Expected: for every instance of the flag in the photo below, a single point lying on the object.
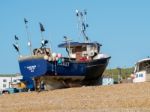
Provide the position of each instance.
(83, 27)
(77, 14)
(65, 37)
(85, 12)
(16, 47)
(44, 42)
(16, 38)
(41, 27)
(25, 21)
(87, 25)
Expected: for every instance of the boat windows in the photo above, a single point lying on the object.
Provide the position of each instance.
(4, 80)
(83, 48)
(140, 75)
(144, 66)
(4, 85)
(14, 80)
(78, 49)
(84, 51)
(73, 50)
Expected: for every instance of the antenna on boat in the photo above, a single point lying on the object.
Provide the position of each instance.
(16, 46)
(29, 39)
(50, 45)
(82, 23)
(68, 42)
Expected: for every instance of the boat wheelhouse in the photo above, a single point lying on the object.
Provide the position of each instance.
(142, 71)
(81, 51)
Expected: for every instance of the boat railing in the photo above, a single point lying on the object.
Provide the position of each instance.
(30, 57)
(42, 51)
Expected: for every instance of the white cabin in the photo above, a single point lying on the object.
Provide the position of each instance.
(79, 51)
(142, 71)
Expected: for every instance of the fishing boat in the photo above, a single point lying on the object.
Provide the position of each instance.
(83, 65)
(142, 71)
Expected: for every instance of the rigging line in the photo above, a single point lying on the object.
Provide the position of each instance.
(78, 24)
(28, 36)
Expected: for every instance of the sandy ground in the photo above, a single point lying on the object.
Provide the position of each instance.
(115, 98)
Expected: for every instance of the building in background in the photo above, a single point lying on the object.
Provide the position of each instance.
(6, 80)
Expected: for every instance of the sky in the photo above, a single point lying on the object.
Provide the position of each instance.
(121, 26)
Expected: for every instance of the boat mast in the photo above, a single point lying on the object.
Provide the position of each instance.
(43, 41)
(29, 39)
(82, 23)
(78, 23)
(50, 45)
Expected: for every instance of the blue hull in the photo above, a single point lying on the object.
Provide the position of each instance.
(33, 67)
(87, 70)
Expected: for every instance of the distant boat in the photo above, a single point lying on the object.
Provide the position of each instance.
(84, 64)
(142, 70)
